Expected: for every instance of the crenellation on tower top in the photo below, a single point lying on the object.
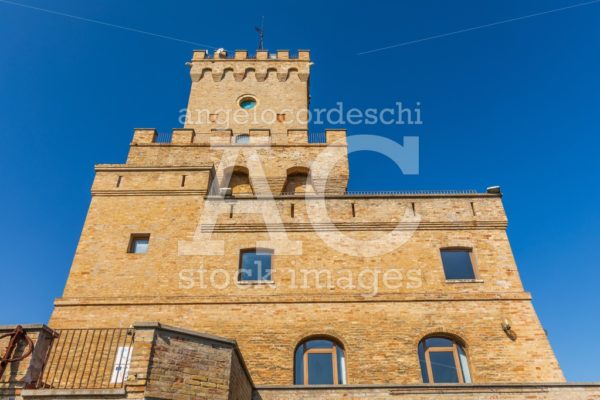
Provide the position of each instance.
(240, 54)
(245, 228)
(237, 55)
(224, 136)
(242, 65)
(271, 88)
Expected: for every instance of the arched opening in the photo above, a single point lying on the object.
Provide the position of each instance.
(298, 181)
(443, 360)
(227, 74)
(319, 361)
(239, 180)
(292, 72)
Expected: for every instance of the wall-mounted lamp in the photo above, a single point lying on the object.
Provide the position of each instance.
(507, 328)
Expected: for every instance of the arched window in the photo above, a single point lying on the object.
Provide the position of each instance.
(443, 360)
(239, 180)
(319, 361)
(298, 181)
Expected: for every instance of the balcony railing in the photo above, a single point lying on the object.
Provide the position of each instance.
(384, 193)
(407, 192)
(88, 359)
(217, 192)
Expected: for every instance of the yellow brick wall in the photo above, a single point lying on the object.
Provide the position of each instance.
(380, 329)
(380, 337)
(279, 85)
(109, 287)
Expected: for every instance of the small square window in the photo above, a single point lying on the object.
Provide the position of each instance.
(255, 265)
(457, 264)
(138, 244)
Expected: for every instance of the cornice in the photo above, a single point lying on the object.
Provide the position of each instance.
(150, 168)
(293, 298)
(357, 226)
(124, 192)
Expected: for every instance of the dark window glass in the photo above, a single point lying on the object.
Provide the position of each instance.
(255, 266)
(320, 359)
(423, 363)
(443, 360)
(320, 369)
(247, 103)
(242, 139)
(457, 264)
(138, 244)
(318, 344)
(438, 342)
(341, 366)
(443, 367)
(299, 366)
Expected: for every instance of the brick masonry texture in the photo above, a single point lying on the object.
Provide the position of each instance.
(380, 337)
(467, 392)
(181, 367)
(165, 190)
(380, 331)
(24, 374)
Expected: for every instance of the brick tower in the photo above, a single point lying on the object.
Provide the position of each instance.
(215, 264)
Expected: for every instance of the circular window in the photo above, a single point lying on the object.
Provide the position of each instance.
(247, 103)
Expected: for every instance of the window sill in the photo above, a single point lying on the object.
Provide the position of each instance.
(256, 282)
(464, 280)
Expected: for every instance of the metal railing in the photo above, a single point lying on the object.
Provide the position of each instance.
(383, 193)
(413, 192)
(88, 359)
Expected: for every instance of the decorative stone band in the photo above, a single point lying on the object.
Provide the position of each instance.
(247, 298)
(356, 226)
(252, 71)
(149, 192)
(226, 137)
(533, 391)
(516, 391)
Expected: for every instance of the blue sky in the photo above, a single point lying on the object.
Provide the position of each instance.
(514, 104)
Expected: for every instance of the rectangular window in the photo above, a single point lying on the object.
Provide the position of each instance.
(255, 265)
(443, 367)
(457, 264)
(320, 367)
(138, 244)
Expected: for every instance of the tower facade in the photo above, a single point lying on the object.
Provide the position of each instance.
(281, 283)
(223, 88)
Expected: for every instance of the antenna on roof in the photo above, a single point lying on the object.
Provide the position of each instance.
(261, 34)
